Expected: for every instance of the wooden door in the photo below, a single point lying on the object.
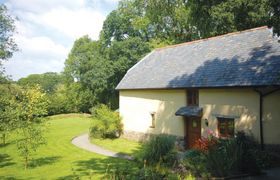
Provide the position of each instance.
(193, 130)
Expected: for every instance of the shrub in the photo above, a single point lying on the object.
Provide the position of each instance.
(204, 144)
(220, 158)
(160, 148)
(249, 163)
(195, 161)
(253, 157)
(225, 158)
(145, 173)
(118, 174)
(106, 123)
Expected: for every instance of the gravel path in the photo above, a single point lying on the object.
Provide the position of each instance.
(83, 142)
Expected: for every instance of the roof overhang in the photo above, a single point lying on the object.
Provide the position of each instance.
(189, 111)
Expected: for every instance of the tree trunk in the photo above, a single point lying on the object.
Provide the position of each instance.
(4, 138)
(26, 162)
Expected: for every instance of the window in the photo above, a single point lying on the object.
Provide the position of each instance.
(153, 125)
(226, 127)
(192, 97)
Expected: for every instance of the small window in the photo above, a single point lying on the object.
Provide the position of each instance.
(226, 127)
(153, 123)
(192, 97)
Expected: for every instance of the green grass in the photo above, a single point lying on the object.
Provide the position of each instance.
(118, 145)
(59, 159)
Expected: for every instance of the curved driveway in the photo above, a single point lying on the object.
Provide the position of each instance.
(83, 142)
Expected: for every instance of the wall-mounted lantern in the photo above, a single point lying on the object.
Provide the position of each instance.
(153, 123)
(206, 122)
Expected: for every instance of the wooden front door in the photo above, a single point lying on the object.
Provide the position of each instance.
(193, 130)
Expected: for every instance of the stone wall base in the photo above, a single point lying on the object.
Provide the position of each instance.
(140, 137)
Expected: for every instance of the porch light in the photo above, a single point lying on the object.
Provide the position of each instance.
(206, 122)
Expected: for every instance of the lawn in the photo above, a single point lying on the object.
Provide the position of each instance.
(59, 159)
(119, 145)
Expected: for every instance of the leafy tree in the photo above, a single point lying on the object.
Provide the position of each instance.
(98, 70)
(31, 139)
(32, 108)
(48, 81)
(8, 109)
(275, 15)
(58, 101)
(7, 30)
(123, 54)
(85, 58)
(214, 17)
(137, 26)
(118, 24)
(168, 20)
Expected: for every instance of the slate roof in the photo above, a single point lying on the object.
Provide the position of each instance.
(240, 59)
(190, 111)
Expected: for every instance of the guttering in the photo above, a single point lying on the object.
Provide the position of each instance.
(262, 95)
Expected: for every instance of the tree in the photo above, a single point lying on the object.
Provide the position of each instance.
(32, 108)
(7, 30)
(84, 59)
(275, 16)
(215, 17)
(137, 26)
(47, 81)
(118, 24)
(8, 109)
(31, 139)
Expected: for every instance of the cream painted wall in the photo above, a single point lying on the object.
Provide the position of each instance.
(271, 117)
(136, 106)
(243, 104)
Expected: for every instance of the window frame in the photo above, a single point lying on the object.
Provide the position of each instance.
(227, 122)
(192, 97)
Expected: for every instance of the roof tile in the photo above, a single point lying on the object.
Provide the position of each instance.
(247, 58)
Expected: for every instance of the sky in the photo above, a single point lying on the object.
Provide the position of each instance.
(47, 29)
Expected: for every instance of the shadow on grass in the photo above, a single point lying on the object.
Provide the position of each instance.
(5, 145)
(8, 178)
(43, 161)
(99, 166)
(5, 160)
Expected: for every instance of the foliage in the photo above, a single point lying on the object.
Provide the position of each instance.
(7, 30)
(47, 81)
(253, 158)
(143, 173)
(106, 123)
(219, 17)
(227, 157)
(138, 26)
(98, 70)
(224, 159)
(32, 107)
(204, 144)
(31, 137)
(275, 15)
(159, 149)
(8, 109)
(195, 161)
(59, 101)
(62, 97)
(68, 99)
